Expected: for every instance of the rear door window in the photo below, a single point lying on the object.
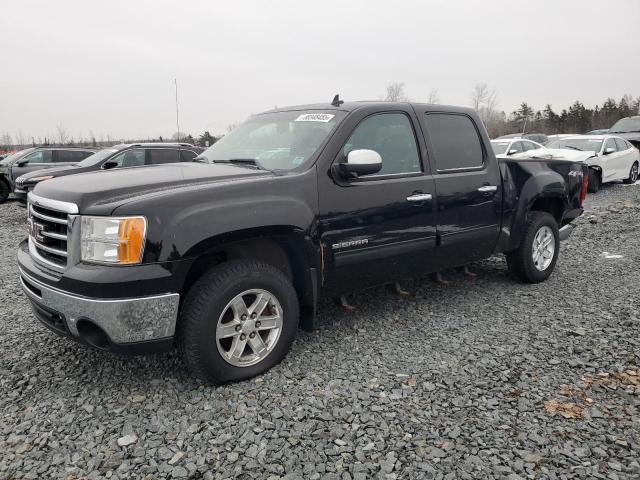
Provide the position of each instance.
(164, 155)
(621, 144)
(455, 142)
(70, 156)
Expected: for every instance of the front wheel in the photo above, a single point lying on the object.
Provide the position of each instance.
(633, 174)
(594, 181)
(535, 259)
(238, 320)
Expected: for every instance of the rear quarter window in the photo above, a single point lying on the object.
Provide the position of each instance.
(187, 155)
(454, 141)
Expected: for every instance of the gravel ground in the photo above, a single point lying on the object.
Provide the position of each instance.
(486, 378)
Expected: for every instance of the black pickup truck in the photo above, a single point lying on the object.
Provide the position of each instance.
(227, 256)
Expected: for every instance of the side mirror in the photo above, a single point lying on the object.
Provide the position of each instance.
(609, 150)
(109, 165)
(512, 151)
(361, 162)
(22, 163)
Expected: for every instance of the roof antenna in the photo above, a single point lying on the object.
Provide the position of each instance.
(336, 101)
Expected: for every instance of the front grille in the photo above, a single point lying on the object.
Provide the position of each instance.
(48, 230)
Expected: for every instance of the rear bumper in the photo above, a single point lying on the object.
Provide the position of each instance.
(132, 325)
(566, 231)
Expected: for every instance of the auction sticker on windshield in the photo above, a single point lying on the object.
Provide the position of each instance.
(315, 117)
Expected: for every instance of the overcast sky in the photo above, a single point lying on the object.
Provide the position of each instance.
(108, 67)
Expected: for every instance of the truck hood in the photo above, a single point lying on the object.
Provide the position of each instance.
(48, 171)
(120, 185)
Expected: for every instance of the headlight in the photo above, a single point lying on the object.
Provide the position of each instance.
(38, 179)
(116, 240)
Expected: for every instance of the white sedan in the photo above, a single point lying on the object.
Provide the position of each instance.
(505, 147)
(609, 157)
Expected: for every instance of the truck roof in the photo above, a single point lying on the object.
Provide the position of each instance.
(351, 106)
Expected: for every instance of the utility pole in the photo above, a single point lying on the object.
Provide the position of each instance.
(175, 81)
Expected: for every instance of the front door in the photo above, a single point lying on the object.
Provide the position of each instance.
(468, 187)
(377, 228)
(34, 161)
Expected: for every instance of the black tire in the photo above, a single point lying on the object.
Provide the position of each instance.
(5, 190)
(594, 181)
(633, 174)
(206, 301)
(520, 261)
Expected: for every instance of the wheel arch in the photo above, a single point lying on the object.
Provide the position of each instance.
(282, 246)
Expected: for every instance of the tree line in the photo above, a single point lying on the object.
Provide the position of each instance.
(577, 118)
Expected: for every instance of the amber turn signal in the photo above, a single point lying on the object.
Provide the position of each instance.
(131, 234)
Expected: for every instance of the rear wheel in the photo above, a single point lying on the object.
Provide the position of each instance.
(4, 191)
(633, 174)
(237, 321)
(536, 257)
(594, 181)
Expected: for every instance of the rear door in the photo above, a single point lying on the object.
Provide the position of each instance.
(468, 186)
(380, 227)
(627, 158)
(612, 161)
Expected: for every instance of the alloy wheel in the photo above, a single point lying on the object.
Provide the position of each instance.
(544, 246)
(249, 327)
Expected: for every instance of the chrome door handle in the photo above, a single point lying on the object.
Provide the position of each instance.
(488, 188)
(419, 197)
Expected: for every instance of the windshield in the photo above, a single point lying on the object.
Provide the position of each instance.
(582, 144)
(626, 125)
(499, 148)
(278, 140)
(9, 159)
(97, 157)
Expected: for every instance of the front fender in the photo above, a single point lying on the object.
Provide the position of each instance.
(197, 229)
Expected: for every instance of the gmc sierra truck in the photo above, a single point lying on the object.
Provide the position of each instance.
(227, 256)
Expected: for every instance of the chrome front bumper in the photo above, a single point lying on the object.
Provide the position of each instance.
(127, 320)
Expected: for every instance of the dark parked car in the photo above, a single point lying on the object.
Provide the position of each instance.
(124, 155)
(540, 138)
(227, 259)
(37, 158)
(629, 129)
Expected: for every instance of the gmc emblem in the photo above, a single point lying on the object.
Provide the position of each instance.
(35, 230)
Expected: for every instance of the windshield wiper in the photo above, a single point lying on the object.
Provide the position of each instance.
(252, 162)
(574, 148)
